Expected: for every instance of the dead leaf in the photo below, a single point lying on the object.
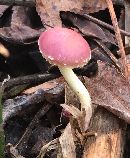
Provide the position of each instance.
(67, 143)
(19, 16)
(13, 151)
(45, 86)
(19, 34)
(72, 110)
(3, 8)
(49, 146)
(41, 135)
(95, 5)
(18, 105)
(49, 11)
(20, 29)
(110, 90)
(89, 28)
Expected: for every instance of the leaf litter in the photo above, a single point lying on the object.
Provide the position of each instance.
(108, 88)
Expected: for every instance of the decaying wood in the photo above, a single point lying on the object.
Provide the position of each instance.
(109, 142)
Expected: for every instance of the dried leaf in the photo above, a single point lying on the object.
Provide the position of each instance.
(18, 105)
(72, 110)
(127, 22)
(49, 146)
(19, 34)
(49, 10)
(96, 5)
(89, 28)
(20, 30)
(3, 8)
(67, 143)
(41, 136)
(19, 16)
(45, 86)
(13, 151)
(110, 90)
(77, 114)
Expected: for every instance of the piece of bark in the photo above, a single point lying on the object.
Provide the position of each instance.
(110, 131)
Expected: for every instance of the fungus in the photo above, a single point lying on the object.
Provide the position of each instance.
(68, 49)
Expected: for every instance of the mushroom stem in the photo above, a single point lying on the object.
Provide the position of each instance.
(81, 91)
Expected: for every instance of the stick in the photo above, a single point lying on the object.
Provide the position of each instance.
(99, 22)
(118, 35)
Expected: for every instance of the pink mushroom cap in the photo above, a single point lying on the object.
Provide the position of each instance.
(64, 47)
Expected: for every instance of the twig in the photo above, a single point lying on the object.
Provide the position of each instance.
(118, 35)
(29, 3)
(32, 79)
(97, 21)
(109, 53)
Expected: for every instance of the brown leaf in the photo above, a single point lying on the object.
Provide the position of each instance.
(110, 90)
(93, 6)
(3, 8)
(96, 5)
(89, 28)
(20, 29)
(19, 16)
(42, 135)
(72, 110)
(19, 34)
(67, 143)
(45, 86)
(18, 105)
(13, 151)
(49, 10)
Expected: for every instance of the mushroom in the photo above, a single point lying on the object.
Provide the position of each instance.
(68, 49)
